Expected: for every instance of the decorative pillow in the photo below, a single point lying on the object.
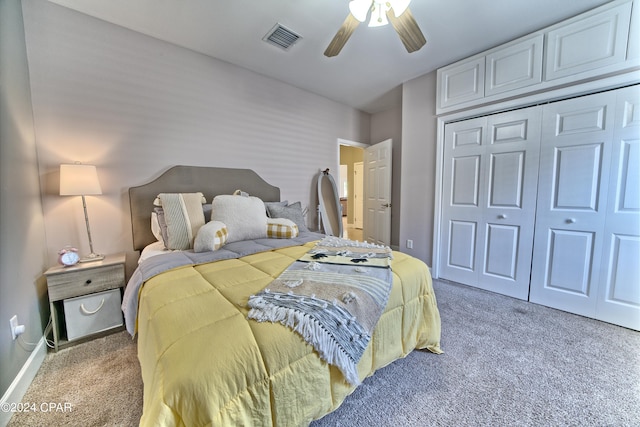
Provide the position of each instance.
(268, 204)
(244, 216)
(211, 237)
(206, 209)
(281, 228)
(155, 226)
(183, 215)
(159, 225)
(162, 224)
(292, 212)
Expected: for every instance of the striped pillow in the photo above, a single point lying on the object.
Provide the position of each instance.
(211, 237)
(281, 228)
(184, 217)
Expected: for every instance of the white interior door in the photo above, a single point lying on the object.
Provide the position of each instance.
(511, 181)
(377, 193)
(463, 189)
(619, 285)
(358, 194)
(572, 199)
(488, 210)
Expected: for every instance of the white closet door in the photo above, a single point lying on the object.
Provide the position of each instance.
(619, 287)
(463, 190)
(510, 178)
(572, 202)
(489, 182)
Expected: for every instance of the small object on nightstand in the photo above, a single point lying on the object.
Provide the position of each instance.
(68, 256)
(85, 299)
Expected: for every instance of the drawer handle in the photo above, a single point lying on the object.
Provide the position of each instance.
(85, 311)
(88, 282)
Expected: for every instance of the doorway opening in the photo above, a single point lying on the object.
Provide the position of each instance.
(351, 188)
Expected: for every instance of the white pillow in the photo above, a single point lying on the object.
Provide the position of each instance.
(211, 237)
(244, 216)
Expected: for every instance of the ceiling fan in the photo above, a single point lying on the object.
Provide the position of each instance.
(382, 12)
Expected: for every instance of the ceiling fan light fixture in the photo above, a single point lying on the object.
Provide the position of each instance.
(398, 6)
(379, 10)
(378, 15)
(360, 9)
(401, 20)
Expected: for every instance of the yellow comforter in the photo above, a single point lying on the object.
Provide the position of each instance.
(203, 363)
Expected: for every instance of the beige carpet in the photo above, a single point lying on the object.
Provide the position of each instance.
(96, 383)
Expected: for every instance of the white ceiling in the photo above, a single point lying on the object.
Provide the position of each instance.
(367, 74)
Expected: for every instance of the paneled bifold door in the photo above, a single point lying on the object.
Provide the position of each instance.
(488, 210)
(618, 299)
(587, 241)
(543, 204)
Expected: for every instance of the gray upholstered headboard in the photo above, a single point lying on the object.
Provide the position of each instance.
(211, 181)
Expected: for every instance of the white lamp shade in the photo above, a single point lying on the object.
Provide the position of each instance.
(79, 180)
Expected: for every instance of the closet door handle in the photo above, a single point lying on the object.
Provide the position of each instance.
(570, 220)
(502, 216)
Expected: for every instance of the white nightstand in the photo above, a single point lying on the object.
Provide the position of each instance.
(85, 299)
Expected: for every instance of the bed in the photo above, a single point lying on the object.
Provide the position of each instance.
(204, 362)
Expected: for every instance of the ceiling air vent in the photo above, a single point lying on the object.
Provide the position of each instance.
(281, 36)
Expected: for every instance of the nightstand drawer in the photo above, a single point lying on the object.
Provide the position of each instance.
(92, 313)
(85, 281)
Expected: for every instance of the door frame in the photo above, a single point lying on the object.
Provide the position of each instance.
(348, 143)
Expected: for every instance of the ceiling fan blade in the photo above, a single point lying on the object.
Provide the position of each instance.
(408, 30)
(348, 27)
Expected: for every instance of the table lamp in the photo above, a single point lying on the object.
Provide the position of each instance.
(81, 180)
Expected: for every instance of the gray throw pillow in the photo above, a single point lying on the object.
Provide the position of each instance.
(267, 204)
(292, 212)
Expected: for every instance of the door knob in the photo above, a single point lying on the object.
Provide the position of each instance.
(386, 205)
(570, 220)
(502, 216)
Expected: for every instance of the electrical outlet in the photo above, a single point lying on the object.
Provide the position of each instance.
(16, 329)
(409, 244)
(14, 324)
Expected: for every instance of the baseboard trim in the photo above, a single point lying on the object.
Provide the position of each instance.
(22, 381)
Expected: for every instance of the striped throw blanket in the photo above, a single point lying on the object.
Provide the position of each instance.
(333, 297)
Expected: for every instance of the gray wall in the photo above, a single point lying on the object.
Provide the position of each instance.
(419, 140)
(133, 106)
(22, 255)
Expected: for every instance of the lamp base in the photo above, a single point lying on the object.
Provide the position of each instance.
(92, 257)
